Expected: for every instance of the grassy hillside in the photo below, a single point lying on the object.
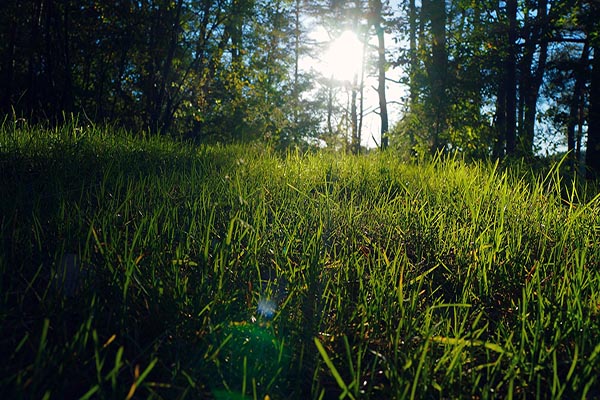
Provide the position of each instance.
(142, 267)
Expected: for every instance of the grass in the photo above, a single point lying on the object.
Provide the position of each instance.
(140, 267)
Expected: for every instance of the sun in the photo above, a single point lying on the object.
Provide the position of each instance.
(344, 57)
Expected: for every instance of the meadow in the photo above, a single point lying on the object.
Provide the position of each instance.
(135, 266)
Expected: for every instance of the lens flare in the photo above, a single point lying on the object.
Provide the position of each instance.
(267, 308)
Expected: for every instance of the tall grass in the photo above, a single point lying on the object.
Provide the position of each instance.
(144, 267)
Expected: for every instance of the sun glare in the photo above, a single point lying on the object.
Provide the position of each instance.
(343, 58)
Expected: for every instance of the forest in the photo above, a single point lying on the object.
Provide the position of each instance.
(487, 79)
(293, 199)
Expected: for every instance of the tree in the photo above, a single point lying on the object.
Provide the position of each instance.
(357, 14)
(510, 78)
(593, 142)
(223, 70)
(477, 57)
(503, 47)
(576, 105)
(592, 159)
(532, 67)
(376, 21)
(163, 43)
(428, 69)
(435, 11)
(354, 17)
(567, 84)
(36, 68)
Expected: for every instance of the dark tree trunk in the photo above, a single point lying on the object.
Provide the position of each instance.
(8, 62)
(161, 114)
(296, 83)
(576, 105)
(238, 10)
(329, 110)
(438, 70)
(530, 96)
(361, 105)
(354, 119)
(33, 62)
(414, 60)
(47, 102)
(511, 78)
(415, 30)
(67, 95)
(168, 108)
(356, 139)
(499, 145)
(532, 76)
(381, 91)
(377, 10)
(592, 158)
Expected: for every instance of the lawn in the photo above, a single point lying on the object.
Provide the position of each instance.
(134, 266)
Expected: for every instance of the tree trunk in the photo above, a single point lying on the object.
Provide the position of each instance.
(530, 99)
(414, 60)
(575, 105)
(296, 83)
(238, 10)
(355, 146)
(499, 145)
(438, 74)
(67, 96)
(592, 157)
(532, 77)
(511, 78)
(354, 118)
(329, 110)
(381, 64)
(7, 77)
(415, 30)
(161, 116)
(381, 91)
(361, 106)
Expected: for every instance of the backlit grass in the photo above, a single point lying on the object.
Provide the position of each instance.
(141, 267)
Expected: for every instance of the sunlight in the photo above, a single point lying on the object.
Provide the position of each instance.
(340, 58)
(343, 58)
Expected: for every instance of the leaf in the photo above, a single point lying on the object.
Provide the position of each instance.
(139, 379)
(333, 370)
(466, 342)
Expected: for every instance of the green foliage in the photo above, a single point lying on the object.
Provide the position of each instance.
(499, 68)
(207, 70)
(233, 272)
